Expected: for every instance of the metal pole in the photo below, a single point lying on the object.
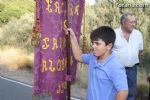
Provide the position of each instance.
(68, 50)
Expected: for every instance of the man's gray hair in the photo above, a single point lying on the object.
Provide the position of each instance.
(124, 17)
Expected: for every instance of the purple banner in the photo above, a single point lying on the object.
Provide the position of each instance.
(50, 57)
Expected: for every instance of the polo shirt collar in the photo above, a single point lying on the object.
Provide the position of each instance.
(105, 61)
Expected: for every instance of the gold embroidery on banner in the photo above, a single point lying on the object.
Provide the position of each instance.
(45, 45)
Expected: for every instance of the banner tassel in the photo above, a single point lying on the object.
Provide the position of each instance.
(84, 41)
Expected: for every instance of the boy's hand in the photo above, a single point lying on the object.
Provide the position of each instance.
(69, 31)
(77, 53)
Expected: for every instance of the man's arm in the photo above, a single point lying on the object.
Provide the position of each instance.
(75, 46)
(122, 95)
(140, 53)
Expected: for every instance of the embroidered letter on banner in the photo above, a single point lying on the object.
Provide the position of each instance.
(50, 56)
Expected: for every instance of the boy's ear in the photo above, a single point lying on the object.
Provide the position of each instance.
(109, 46)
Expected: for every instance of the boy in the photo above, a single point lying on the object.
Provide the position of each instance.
(106, 76)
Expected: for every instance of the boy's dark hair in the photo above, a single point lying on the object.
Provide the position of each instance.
(105, 33)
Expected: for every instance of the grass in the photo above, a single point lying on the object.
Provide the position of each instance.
(16, 58)
(142, 84)
(142, 92)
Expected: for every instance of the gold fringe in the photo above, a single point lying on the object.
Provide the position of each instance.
(41, 95)
(84, 45)
(36, 31)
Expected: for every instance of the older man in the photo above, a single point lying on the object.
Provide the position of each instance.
(128, 44)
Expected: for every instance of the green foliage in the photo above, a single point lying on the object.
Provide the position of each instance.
(1, 7)
(14, 8)
(142, 92)
(18, 32)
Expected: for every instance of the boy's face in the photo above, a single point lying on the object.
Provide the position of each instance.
(100, 48)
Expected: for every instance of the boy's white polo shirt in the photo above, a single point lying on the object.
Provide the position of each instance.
(127, 51)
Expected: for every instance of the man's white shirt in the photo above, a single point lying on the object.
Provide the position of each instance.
(127, 52)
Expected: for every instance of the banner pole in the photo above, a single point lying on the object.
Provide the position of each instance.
(68, 51)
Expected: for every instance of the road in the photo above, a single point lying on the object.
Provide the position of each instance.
(14, 90)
